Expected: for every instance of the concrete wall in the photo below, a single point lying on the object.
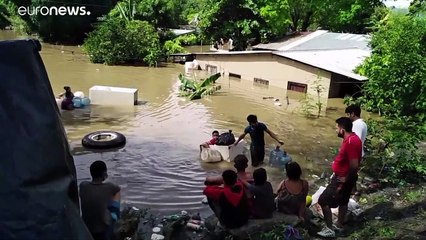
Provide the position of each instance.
(277, 70)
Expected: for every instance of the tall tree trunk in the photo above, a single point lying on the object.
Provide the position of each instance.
(307, 20)
(295, 17)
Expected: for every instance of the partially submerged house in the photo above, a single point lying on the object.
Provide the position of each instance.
(297, 63)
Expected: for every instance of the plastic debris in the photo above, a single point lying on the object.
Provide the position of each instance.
(193, 226)
(156, 236)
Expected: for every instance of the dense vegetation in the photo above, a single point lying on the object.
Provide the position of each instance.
(111, 41)
(244, 21)
(397, 90)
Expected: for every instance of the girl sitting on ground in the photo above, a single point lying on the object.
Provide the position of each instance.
(292, 192)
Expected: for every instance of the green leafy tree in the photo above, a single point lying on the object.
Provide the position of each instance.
(172, 46)
(396, 69)
(378, 18)
(244, 21)
(302, 13)
(118, 41)
(9, 16)
(4, 15)
(230, 19)
(348, 16)
(192, 9)
(275, 15)
(396, 86)
(162, 13)
(418, 7)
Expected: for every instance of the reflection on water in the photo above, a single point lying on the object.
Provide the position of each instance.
(159, 166)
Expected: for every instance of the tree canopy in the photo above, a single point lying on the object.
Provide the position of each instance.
(118, 41)
(397, 67)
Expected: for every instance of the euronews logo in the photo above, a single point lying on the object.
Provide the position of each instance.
(53, 11)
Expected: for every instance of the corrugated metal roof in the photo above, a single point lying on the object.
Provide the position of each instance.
(333, 41)
(178, 32)
(280, 44)
(342, 61)
(232, 52)
(319, 40)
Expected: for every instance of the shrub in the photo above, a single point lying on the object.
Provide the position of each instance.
(117, 41)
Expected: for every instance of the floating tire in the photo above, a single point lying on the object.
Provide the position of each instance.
(103, 139)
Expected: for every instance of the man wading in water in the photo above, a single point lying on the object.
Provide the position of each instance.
(257, 147)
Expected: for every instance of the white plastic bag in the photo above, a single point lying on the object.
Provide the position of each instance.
(210, 155)
(353, 206)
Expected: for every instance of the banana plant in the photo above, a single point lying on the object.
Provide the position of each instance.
(196, 90)
(127, 10)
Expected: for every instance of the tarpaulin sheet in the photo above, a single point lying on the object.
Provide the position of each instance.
(38, 186)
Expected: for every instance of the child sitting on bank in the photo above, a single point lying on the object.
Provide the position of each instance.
(263, 195)
(228, 202)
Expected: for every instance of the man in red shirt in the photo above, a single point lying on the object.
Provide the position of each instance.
(345, 169)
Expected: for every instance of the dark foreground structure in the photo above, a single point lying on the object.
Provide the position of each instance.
(38, 186)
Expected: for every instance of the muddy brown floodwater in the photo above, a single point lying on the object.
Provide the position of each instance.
(159, 167)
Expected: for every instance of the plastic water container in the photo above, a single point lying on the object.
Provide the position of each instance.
(79, 94)
(77, 102)
(278, 158)
(85, 101)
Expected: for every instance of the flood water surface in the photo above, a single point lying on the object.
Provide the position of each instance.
(159, 167)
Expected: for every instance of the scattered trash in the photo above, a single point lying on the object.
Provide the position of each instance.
(156, 230)
(315, 176)
(378, 218)
(268, 97)
(193, 226)
(156, 236)
(316, 209)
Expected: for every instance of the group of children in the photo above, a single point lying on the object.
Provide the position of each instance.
(238, 195)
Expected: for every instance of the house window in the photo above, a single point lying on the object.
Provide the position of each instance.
(211, 69)
(261, 81)
(235, 75)
(297, 87)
